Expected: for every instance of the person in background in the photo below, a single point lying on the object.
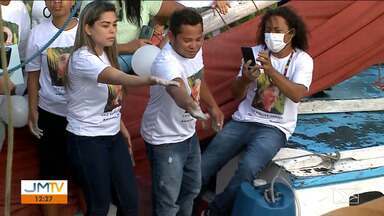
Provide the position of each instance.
(46, 94)
(38, 11)
(221, 5)
(258, 132)
(132, 16)
(17, 25)
(98, 142)
(169, 122)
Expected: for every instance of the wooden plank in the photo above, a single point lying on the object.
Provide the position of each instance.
(212, 20)
(337, 106)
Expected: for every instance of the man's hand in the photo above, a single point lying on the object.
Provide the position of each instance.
(196, 112)
(33, 118)
(158, 81)
(217, 118)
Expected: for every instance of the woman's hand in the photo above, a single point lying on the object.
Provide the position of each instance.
(127, 138)
(33, 118)
(265, 61)
(250, 73)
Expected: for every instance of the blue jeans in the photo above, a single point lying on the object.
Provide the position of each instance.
(260, 144)
(124, 61)
(176, 176)
(103, 167)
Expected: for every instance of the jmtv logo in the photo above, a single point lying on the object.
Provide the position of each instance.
(44, 191)
(43, 187)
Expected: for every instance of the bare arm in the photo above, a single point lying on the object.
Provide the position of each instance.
(33, 98)
(167, 8)
(184, 101)
(33, 89)
(213, 109)
(132, 46)
(240, 85)
(11, 86)
(113, 76)
(124, 131)
(292, 90)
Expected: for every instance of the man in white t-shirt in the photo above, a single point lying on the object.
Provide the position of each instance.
(267, 116)
(169, 121)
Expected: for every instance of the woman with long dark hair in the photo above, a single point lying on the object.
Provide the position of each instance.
(258, 131)
(98, 142)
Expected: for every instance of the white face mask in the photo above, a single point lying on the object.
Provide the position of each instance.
(275, 41)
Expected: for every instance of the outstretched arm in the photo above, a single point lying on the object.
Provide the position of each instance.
(184, 101)
(113, 76)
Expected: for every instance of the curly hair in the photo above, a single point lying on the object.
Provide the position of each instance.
(293, 20)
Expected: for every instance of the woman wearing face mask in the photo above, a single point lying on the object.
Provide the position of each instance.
(262, 132)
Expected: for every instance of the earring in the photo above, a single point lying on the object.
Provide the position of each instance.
(44, 13)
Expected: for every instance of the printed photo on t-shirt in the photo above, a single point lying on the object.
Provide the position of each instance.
(268, 97)
(57, 58)
(11, 33)
(194, 83)
(114, 98)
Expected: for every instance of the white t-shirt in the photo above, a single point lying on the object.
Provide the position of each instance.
(163, 121)
(93, 108)
(196, 3)
(265, 103)
(17, 25)
(37, 11)
(52, 64)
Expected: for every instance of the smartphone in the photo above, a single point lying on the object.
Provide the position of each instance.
(248, 55)
(146, 32)
(7, 55)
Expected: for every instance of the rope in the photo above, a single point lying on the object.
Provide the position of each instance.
(6, 81)
(254, 3)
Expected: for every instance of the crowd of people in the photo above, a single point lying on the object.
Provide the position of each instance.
(75, 89)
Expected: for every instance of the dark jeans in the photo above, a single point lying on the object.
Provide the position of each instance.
(260, 144)
(53, 146)
(176, 176)
(103, 168)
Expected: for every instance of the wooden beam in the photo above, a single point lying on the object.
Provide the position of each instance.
(212, 20)
(336, 106)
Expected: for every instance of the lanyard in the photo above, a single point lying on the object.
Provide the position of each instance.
(286, 65)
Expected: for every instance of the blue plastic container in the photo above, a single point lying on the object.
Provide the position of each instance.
(250, 201)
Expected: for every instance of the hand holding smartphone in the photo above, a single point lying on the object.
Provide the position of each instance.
(248, 55)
